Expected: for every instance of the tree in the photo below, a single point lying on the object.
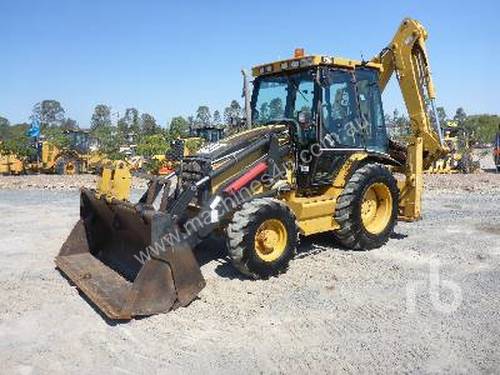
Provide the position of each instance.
(191, 124)
(101, 117)
(108, 144)
(264, 113)
(442, 117)
(150, 145)
(122, 127)
(149, 125)
(129, 126)
(4, 127)
(57, 136)
(132, 119)
(217, 118)
(179, 127)
(69, 124)
(104, 131)
(49, 112)
(398, 126)
(276, 108)
(203, 116)
(193, 145)
(16, 141)
(481, 128)
(233, 113)
(460, 116)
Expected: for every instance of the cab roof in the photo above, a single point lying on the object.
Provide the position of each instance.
(297, 63)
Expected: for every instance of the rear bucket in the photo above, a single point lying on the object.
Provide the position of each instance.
(123, 258)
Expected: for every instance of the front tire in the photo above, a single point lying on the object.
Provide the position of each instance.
(67, 166)
(262, 238)
(367, 209)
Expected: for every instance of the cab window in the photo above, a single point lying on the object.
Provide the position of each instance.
(341, 125)
(282, 96)
(370, 107)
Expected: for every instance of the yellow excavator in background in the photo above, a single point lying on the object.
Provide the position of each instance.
(316, 158)
(75, 159)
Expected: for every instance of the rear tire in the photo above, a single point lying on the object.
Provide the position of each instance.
(67, 166)
(262, 238)
(367, 209)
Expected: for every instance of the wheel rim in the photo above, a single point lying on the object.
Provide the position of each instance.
(376, 208)
(69, 168)
(270, 240)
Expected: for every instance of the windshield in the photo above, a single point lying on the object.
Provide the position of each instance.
(79, 141)
(278, 97)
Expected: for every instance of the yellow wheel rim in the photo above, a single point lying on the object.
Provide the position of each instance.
(69, 168)
(270, 240)
(376, 208)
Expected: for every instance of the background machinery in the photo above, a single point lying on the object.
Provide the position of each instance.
(76, 158)
(316, 158)
(496, 150)
(460, 157)
(179, 149)
(11, 164)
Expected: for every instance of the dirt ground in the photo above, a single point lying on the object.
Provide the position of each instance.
(426, 302)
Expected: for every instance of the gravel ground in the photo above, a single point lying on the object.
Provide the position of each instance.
(426, 302)
(56, 182)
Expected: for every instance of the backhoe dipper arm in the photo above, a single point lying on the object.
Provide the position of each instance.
(406, 56)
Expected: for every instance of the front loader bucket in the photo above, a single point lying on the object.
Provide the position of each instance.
(126, 259)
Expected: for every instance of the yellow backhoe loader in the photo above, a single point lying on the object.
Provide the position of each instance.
(315, 158)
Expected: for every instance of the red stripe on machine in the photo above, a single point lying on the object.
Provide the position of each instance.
(246, 178)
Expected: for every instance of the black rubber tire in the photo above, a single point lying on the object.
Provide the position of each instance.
(61, 164)
(352, 233)
(240, 237)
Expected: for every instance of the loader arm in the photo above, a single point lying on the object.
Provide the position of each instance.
(406, 56)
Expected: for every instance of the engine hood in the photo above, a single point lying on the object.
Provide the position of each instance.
(238, 141)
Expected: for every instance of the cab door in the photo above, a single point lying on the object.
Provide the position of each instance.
(339, 132)
(370, 109)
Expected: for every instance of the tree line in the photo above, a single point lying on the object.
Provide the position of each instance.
(478, 129)
(132, 127)
(143, 130)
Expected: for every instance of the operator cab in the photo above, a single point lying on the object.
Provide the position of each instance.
(334, 104)
(79, 141)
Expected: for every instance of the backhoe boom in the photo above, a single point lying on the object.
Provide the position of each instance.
(406, 56)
